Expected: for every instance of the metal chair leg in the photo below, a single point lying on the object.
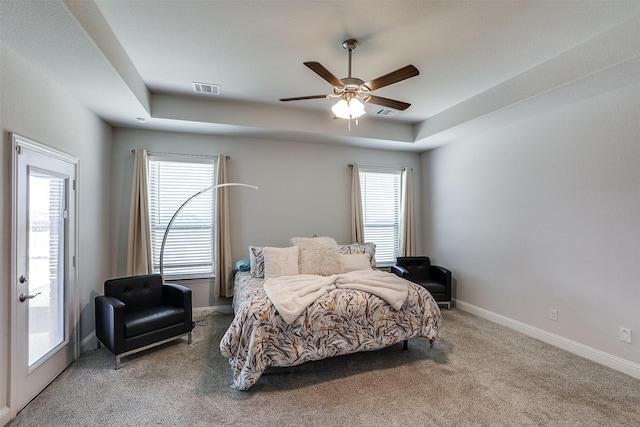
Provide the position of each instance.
(146, 347)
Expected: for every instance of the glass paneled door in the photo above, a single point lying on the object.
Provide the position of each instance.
(46, 243)
(42, 345)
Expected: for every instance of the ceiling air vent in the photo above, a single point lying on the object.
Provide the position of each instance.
(206, 88)
(385, 112)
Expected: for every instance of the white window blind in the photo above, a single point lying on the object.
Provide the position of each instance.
(381, 198)
(190, 246)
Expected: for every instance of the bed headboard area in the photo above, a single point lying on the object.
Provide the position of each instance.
(311, 255)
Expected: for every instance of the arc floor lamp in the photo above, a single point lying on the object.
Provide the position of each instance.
(175, 215)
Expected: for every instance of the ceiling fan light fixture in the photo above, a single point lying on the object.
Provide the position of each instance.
(348, 109)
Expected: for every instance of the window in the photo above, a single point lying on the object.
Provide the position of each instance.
(381, 198)
(190, 248)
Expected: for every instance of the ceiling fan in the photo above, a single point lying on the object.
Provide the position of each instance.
(353, 91)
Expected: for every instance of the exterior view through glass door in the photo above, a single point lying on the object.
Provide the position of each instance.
(45, 285)
(42, 345)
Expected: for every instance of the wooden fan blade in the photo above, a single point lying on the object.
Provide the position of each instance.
(317, 68)
(393, 77)
(300, 98)
(386, 102)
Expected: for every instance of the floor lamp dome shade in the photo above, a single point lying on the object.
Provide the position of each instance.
(175, 215)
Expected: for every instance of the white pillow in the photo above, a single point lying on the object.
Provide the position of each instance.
(354, 262)
(321, 241)
(280, 261)
(360, 248)
(318, 255)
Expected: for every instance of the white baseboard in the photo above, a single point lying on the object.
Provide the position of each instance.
(595, 355)
(5, 416)
(90, 342)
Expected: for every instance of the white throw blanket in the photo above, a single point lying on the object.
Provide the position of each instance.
(291, 295)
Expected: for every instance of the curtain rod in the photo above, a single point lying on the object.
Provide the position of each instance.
(180, 154)
(379, 167)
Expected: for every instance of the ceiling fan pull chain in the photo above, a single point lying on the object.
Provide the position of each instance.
(351, 117)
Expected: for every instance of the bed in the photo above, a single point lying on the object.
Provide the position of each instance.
(338, 316)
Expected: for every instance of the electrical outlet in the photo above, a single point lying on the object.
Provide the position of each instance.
(553, 314)
(625, 334)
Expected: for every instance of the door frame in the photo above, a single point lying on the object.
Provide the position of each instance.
(17, 143)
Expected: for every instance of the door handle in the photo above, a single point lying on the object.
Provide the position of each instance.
(24, 297)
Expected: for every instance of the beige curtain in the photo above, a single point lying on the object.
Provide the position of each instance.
(407, 240)
(139, 243)
(357, 221)
(224, 264)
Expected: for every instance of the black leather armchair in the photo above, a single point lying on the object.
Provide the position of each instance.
(435, 279)
(140, 312)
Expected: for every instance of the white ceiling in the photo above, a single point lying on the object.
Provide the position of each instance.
(482, 63)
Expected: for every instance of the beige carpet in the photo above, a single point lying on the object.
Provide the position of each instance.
(478, 373)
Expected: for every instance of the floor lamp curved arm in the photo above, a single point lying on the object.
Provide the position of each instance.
(175, 215)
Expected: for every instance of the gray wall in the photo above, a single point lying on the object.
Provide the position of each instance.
(34, 107)
(304, 188)
(545, 214)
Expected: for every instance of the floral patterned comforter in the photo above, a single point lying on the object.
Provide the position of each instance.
(340, 322)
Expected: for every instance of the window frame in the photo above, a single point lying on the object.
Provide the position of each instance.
(367, 174)
(159, 217)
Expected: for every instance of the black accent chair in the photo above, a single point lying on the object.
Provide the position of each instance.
(139, 312)
(435, 279)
